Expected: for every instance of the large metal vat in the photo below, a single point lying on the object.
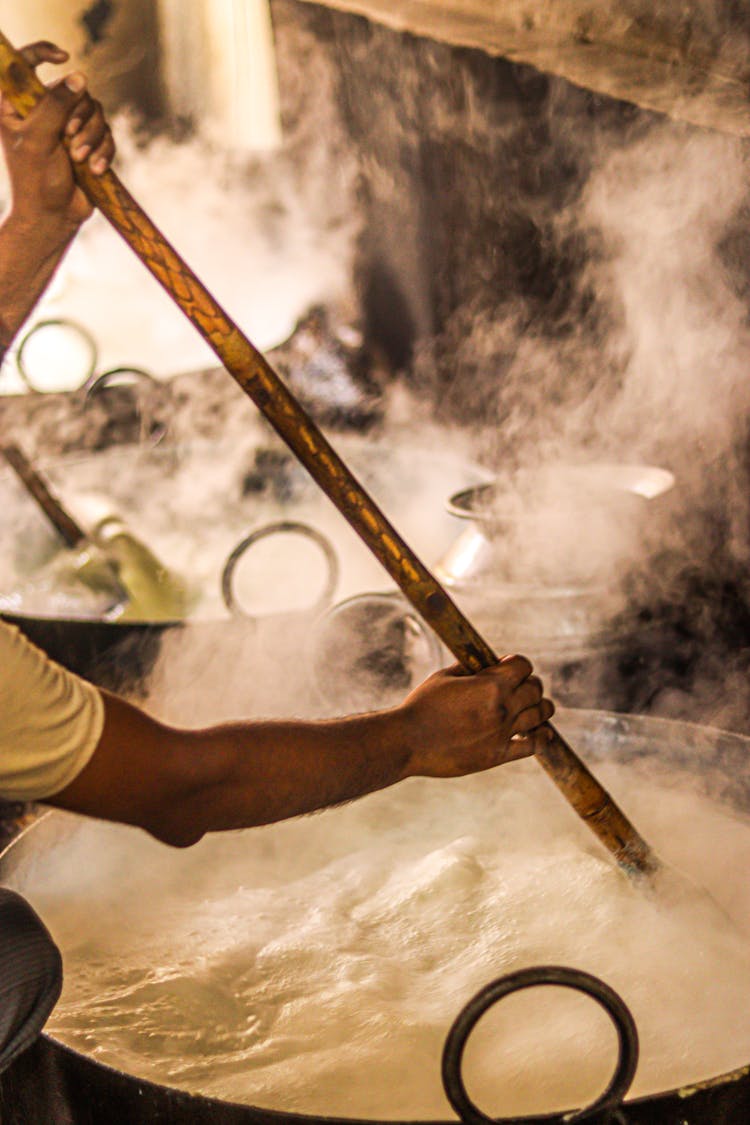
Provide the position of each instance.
(54, 1083)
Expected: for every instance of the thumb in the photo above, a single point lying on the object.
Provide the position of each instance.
(43, 52)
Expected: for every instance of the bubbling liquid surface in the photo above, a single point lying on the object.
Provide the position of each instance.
(316, 965)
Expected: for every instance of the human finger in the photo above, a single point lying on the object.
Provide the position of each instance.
(532, 717)
(528, 692)
(92, 138)
(513, 669)
(34, 54)
(43, 51)
(80, 114)
(527, 744)
(102, 156)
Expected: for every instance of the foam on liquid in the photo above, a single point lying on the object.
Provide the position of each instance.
(316, 965)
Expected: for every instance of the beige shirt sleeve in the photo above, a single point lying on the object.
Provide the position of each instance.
(50, 720)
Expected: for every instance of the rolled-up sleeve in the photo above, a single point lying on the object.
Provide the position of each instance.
(50, 720)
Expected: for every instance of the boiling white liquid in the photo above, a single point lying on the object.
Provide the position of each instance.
(316, 966)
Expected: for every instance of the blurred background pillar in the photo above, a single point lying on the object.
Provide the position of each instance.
(219, 70)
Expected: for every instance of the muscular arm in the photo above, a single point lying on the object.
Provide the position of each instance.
(178, 785)
(47, 208)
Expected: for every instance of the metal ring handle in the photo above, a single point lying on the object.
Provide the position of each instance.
(280, 527)
(116, 376)
(331, 632)
(124, 376)
(615, 1007)
(57, 322)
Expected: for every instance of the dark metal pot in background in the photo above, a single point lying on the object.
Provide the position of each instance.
(253, 489)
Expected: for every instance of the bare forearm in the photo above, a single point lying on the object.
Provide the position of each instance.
(269, 771)
(181, 784)
(29, 256)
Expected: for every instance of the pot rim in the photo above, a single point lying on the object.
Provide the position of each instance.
(609, 477)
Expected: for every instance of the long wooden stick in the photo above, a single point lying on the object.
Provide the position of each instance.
(60, 518)
(258, 380)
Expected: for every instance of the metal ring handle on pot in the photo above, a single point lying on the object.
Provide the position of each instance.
(128, 376)
(83, 335)
(370, 649)
(281, 527)
(467, 1019)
